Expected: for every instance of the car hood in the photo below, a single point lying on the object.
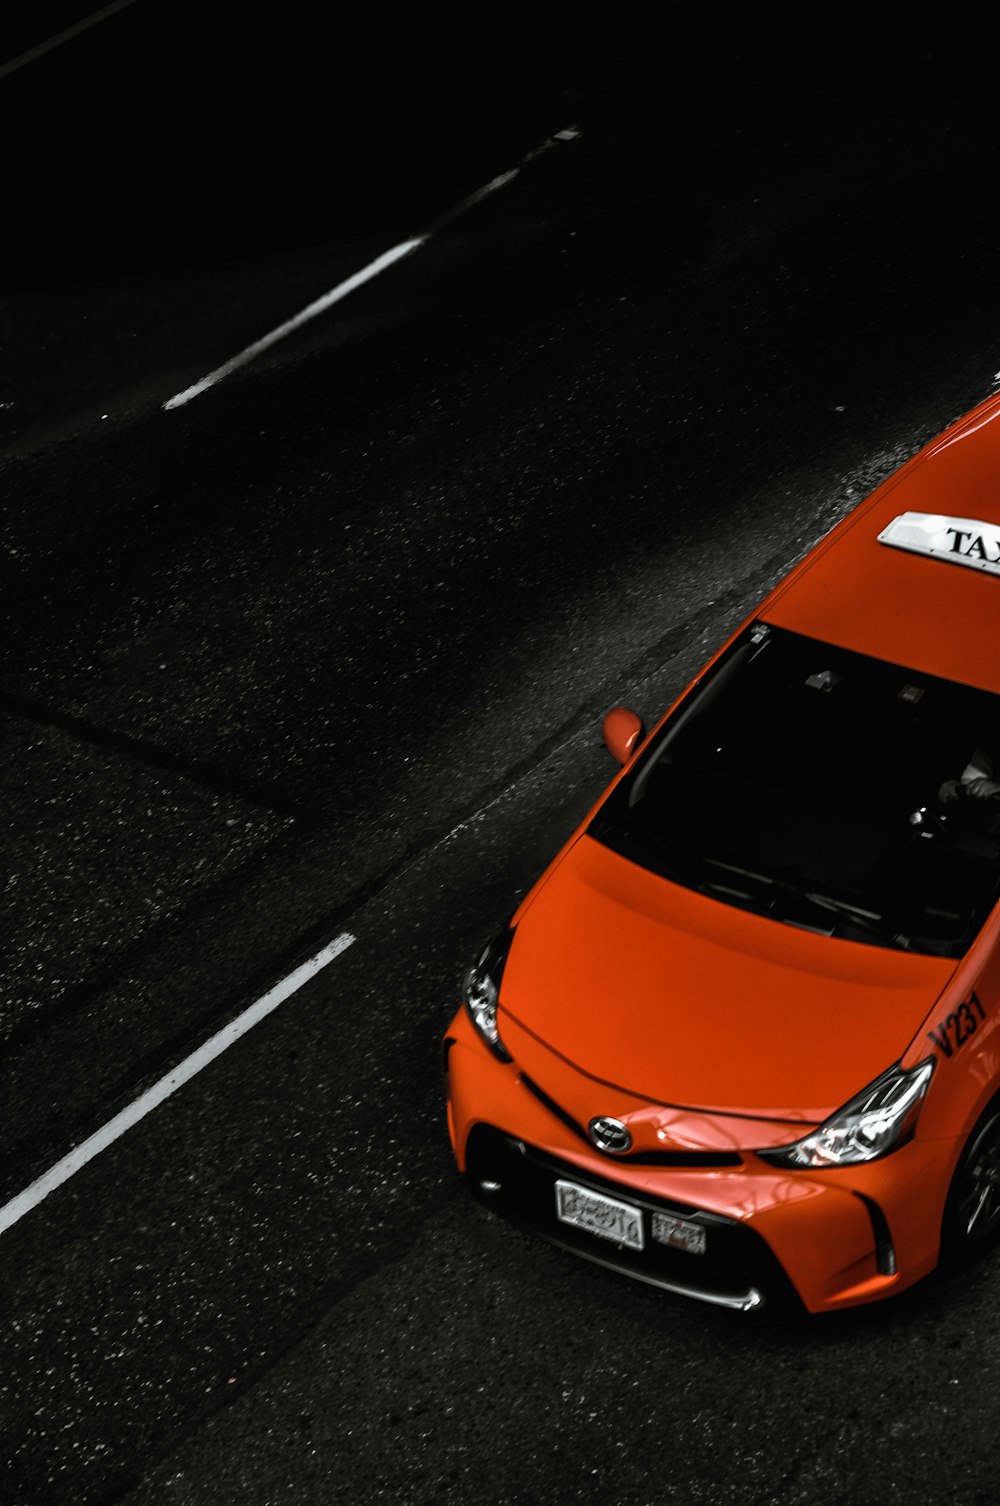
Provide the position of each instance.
(684, 1000)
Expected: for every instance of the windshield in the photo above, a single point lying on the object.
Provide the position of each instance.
(827, 790)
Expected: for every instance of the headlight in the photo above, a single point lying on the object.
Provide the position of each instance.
(481, 991)
(877, 1121)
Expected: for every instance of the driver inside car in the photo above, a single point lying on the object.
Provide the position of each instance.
(975, 796)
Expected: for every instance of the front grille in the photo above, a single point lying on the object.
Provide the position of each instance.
(518, 1181)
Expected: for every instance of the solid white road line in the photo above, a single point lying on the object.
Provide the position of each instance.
(387, 259)
(174, 1079)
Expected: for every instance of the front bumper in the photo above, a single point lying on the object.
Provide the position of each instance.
(518, 1181)
(834, 1238)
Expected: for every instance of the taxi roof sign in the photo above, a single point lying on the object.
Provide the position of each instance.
(962, 541)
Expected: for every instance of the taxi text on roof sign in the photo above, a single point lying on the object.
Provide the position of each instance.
(964, 541)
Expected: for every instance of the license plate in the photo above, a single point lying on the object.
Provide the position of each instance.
(600, 1215)
(680, 1233)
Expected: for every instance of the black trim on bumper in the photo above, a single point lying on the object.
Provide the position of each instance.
(885, 1253)
(517, 1181)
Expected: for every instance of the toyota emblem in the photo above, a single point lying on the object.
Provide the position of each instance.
(610, 1135)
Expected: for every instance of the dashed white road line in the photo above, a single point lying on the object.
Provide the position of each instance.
(62, 36)
(174, 1079)
(387, 259)
(137, 1110)
(358, 279)
(87, 1150)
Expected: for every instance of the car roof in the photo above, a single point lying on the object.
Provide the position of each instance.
(928, 611)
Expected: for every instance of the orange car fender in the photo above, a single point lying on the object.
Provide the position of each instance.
(962, 1035)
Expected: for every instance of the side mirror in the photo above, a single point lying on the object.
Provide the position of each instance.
(623, 732)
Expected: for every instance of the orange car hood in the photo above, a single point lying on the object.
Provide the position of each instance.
(682, 999)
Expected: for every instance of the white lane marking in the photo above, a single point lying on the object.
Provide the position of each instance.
(62, 36)
(387, 259)
(500, 181)
(174, 1079)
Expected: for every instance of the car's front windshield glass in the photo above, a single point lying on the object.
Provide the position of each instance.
(825, 789)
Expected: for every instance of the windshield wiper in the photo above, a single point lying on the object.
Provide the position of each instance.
(864, 920)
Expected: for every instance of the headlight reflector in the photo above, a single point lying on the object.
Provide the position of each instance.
(482, 989)
(877, 1121)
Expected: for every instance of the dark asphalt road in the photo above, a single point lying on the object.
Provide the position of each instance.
(327, 650)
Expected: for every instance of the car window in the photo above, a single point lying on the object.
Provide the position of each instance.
(803, 781)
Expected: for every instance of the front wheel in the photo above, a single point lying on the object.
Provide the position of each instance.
(972, 1212)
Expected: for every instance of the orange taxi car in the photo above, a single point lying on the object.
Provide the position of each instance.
(743, 1035)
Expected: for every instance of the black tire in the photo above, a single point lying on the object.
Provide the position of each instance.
(972, 1212)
